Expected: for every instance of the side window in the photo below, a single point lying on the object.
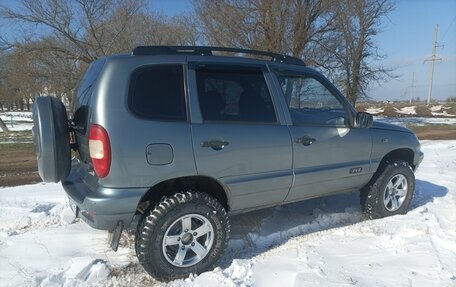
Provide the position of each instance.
(310, 102)
(234, 95)
(157, 92)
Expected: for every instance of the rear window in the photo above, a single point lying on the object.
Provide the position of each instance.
(84, 91)
(81, 101)
(157, 92)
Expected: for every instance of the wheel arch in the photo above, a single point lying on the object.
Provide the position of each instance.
(405, 154)
(204, 184)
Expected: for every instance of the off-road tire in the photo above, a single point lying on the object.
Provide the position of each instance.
(153, 225)
(372, 195)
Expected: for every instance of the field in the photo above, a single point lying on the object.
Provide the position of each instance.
(319, 242)
(18, 161)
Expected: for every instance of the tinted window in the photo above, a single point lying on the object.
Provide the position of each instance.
(310, 102)
(228, 94)
(84, 91)
(81, 101)
(157, 92)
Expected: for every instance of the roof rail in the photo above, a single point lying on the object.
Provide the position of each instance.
(207, 51)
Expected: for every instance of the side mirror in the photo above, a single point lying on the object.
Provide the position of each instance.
(363, 120)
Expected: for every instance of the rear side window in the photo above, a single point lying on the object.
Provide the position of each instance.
(84, 91)
(228, 94)
(157, 92)
(81, 101)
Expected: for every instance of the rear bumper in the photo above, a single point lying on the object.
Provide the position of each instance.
(102, 208)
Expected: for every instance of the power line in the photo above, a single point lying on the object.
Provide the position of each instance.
(448, 29)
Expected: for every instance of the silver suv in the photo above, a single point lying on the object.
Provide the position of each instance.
(169, 141)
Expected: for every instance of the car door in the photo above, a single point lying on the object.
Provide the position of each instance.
(328, 154)
(238, 137)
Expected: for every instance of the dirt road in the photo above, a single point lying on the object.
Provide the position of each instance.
(18, 160)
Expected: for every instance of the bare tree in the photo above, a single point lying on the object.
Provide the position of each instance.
(2, 96)
(283, 26)
(334, 36)
(79, 27)
(75, 33)
(337, 36)
(354, 65)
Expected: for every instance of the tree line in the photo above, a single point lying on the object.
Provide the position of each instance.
(53, 41)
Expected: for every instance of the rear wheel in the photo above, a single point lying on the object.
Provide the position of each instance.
(50, 137)
(390, 192)
(185, 233)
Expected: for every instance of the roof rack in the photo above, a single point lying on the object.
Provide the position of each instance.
(208, 51)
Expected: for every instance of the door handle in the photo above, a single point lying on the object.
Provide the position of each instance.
(306, 140)
(215, 144)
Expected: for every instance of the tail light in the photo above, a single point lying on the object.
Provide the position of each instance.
(99, 150)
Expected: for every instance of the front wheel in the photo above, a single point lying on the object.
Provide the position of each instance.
(185, 233)
(390, 192)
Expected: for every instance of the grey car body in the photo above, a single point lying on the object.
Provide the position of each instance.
(256, 165)
(170, 140)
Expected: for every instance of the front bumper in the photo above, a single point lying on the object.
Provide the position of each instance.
(103, 207)
(419, 156)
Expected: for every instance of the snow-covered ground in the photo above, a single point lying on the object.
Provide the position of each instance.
(17, 121)
(319, 242)
(20, 121)
(436, 111)
(440, 110)
(419, 121)
(374, 111)
(406, 110)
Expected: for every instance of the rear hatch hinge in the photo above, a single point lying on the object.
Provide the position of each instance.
(72, 127)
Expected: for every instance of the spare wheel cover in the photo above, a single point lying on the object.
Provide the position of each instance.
(50, 136)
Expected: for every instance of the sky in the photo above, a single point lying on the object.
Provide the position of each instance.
(406, 41)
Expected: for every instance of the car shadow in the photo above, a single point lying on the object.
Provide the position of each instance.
(258, 231)
(426, 192)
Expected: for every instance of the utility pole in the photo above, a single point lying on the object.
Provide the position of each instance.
(432, 59)
(412, 86)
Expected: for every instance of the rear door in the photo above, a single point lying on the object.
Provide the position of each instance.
(81, 109)
(238, 137)
(328, 154)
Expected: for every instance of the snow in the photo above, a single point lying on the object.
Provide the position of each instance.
(406, 110)
(436, 108)
(375, 111)
(17, 116)
(442, 114)
(319, 242)
(419, 121)
(436, 111)
(21, 121)
(42, 245)
(440, 110)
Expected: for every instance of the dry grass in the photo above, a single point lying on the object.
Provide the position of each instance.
(18, 164)
(423, 111)
(389, 111)
(434, 132)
